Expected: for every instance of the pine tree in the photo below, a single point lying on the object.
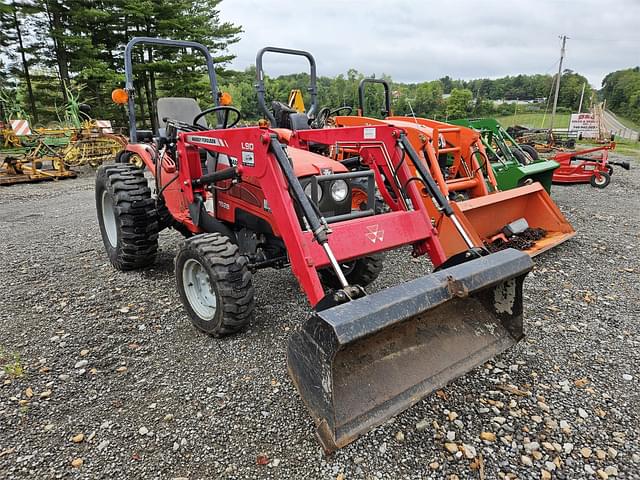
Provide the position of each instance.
(13, 18)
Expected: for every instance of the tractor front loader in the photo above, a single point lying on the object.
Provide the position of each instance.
(246, 200)
(525, 217)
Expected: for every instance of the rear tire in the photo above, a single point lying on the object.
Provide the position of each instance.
(361, 271)
(601, 182)
(215, 284)
(127, 216)
(533, 153)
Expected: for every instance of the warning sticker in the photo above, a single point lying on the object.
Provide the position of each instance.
(369, 133)
(247, 159)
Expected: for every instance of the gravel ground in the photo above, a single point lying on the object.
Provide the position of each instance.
(117, 383)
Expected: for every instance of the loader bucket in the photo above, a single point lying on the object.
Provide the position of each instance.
(489, 214)
(359, 363)
(484, 217)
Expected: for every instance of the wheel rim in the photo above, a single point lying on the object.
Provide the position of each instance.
(601, 180)
(198, 289)
(72, 155)
(109, 219)
(136, 160)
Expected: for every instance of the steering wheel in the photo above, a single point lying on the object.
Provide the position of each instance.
(226, 109)
(336, 111)
(325, 113)
(321, 118)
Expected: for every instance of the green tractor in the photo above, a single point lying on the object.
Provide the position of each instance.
(513, 165)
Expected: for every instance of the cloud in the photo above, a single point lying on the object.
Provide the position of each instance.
(414, 40)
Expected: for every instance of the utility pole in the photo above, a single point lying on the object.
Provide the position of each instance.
(581, 97)
(555, 98)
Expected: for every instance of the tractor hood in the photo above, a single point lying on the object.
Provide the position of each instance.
(306, 163)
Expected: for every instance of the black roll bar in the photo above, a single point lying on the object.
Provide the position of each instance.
(387, 95)
(128, 72)
(313, 88)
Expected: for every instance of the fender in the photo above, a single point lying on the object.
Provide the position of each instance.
(144, 151)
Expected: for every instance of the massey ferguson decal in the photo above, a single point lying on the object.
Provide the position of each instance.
(207, 140)
(375, 234)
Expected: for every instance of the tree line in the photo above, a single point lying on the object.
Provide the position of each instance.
(53, 47)
(621, 90)
(442, 99)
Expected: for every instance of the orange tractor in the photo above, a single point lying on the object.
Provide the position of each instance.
(525, 217)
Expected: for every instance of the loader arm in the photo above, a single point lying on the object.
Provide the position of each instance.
(358, 360)
(261, 156)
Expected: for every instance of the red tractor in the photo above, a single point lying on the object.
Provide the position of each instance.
(246, 200)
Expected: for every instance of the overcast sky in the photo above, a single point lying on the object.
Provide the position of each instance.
(419, 40)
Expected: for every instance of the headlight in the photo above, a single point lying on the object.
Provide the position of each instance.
(339, 190)
(307, 191)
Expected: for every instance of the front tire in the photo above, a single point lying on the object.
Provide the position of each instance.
(361, 271)
(602, 181)
(215, 284)
(127, 216)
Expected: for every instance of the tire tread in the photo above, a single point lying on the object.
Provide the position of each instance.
(139, 226)
(232, 276)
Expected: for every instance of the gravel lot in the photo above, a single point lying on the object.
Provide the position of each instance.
(117, 382)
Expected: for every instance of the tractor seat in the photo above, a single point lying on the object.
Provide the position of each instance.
(185, 110)
(287, 117)
(182, 109)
